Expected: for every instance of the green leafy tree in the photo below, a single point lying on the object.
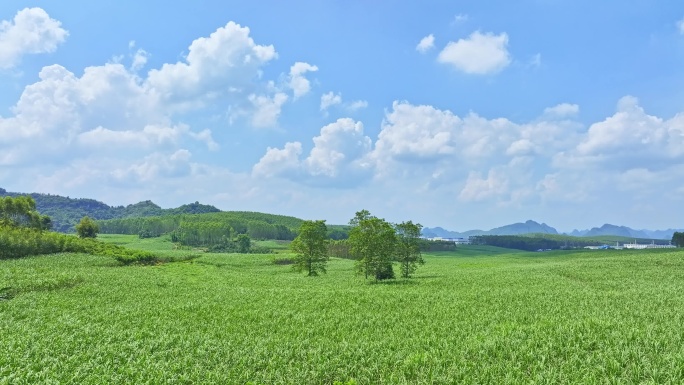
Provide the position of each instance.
(244, 243)
(21, 212)
(408, 247)
(373, 241)
(678, 239)
(311, 247)
(87, 228)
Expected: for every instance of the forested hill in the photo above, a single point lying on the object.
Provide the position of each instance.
(67, 212)
(216, 225)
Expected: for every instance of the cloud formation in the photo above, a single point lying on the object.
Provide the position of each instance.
(338, 157)
(426, 43)
(479, 54)
(300, 85)
(32, 31)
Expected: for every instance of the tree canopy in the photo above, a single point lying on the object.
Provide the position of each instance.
(311, 248)
(373, 241)
(87, 228)
(408, 247)
(21, 212)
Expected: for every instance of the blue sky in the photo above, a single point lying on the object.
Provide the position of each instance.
(450, 113)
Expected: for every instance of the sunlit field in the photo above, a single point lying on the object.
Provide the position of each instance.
(478, 315)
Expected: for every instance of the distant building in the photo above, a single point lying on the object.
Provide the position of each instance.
(652, 245)
(457, 241)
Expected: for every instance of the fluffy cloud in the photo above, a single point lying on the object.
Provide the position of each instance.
(417, 132)
(562, 110)
(226, 60)
(478, 54)
(267, 109)
(330, 99)
(139, 59)
(339, 154)
(357, 105)
(426, 43)
(680, 26)
(300, 85)
(628, 139)
(63, 105)
(32, 31)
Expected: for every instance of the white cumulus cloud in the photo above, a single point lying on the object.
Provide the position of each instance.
(330, 99)
(339, 155)
(267, 109)
(32, 31)
(426, 43)
(478, 54)
(226, 60)
(298, 82)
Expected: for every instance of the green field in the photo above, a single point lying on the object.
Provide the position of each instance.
(477, 315)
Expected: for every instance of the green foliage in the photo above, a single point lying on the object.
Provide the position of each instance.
(21, 212)
(517, 242)
(373, 240)
(340, 249)
(244, 243)
(204, 230)
(559, 318)
(66, 212)
(678, 239)
(311, 248)
(408, 247)
(19, 242)
(87, 228)
(427, 245)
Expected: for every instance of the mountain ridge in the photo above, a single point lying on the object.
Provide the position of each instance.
(531, 226)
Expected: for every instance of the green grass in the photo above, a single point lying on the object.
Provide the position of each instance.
(467, 317)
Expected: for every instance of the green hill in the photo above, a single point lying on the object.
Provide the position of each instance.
(66, 212)
(256, 225)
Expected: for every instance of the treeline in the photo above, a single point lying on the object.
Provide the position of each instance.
(66, 212)
(207, 229)
(24, 232)
(517, 242)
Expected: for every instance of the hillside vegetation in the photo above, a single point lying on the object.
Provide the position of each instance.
(66, 212)
(210, 225)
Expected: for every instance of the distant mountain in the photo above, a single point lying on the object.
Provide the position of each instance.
(623, 231)
(67, 212)
(512, 229)
(523, 228)
(535, 227)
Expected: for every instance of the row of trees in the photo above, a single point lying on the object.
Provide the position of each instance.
(374, 243)
(206, 229)
(678, 239)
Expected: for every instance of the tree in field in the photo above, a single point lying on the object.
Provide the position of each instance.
(373, 241)
(87, 228)
(311, 247)
(244, 243)
(678, 239)
(408, 247)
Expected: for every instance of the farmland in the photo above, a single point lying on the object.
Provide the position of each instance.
(477, 315)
